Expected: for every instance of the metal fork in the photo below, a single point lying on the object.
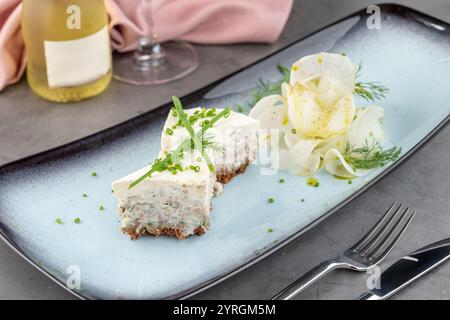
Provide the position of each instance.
(369, 251)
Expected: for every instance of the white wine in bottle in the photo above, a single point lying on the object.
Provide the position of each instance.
(68, 48)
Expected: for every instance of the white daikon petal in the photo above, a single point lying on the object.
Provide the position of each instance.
(286, 160)
(304, 149)
(331, 75)
(292, 136)
(316, 121)
(367, 127)
(290, 139)
(340, 116)
(303, 110)
(297, 156)
(338, 142)
(273, 114)
(336, 165)
(285, 89)
(310, 167)
(264, 104)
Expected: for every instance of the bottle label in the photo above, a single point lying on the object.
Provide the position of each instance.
(78, 62)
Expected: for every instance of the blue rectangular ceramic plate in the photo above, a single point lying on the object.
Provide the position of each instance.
(410, 54)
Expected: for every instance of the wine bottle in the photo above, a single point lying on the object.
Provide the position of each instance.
(68, 48)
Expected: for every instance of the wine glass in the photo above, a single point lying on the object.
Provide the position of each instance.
(153, 62)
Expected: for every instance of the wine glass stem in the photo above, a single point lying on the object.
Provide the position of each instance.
(149, 53)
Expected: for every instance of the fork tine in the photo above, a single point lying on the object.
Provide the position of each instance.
(385, 219)
(388, 229)
(384, 235)
(379, 256)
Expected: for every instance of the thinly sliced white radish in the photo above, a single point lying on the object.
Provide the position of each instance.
(336, 164)
(274, 113)
(331, 76)
(316, 121)
(366, 129)
(264, 104)
(310, 167)
(297, 156)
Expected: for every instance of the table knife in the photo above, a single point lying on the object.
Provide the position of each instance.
(408, 269)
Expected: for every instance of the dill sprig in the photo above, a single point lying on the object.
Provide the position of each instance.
(265, 88)
(370, 91)
(208, 142)
(370, 156)
(195, 141)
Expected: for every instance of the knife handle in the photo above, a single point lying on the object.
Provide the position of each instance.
(308, 279)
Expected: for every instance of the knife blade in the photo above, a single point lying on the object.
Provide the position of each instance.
(408, 269)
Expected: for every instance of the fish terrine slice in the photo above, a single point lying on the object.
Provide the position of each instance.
(234, 137)
(176, 205)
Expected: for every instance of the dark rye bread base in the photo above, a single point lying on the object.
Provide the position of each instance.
(170, 232)
(222, 177)
(226, 176)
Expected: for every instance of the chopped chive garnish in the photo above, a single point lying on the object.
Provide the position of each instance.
(101, 208)
(294, 131)
(281, 180)
(350, 182)
(312, 182)
(271, 200)
(77, 220)
(169, 131)
(58, 221)
(197, 141)
(195, 168)
(302, 200)
(94, 174)
(270, 230)
(85, 195)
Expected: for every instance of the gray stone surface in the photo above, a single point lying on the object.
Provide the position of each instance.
(423, 181)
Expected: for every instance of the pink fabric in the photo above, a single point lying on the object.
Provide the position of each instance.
(12, 49)
(198, 21)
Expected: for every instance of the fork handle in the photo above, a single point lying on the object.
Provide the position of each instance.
(305, 281)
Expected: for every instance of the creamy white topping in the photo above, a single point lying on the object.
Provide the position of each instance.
(182, 201)
(234, 136)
